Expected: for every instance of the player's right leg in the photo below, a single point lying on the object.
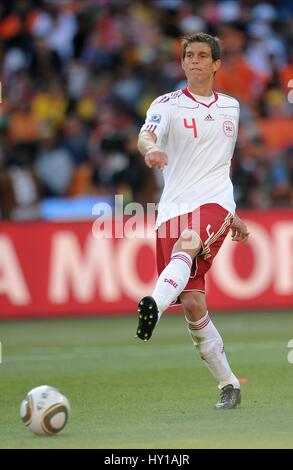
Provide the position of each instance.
(170, 283)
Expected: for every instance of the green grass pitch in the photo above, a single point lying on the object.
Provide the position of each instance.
(129, 394)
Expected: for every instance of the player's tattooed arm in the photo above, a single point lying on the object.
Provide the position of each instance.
(239, 230)
(154, 157)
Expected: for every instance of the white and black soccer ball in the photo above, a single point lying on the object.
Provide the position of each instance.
(45, 410)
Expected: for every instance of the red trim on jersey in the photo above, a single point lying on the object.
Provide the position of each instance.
(187, 93)
(151, 128)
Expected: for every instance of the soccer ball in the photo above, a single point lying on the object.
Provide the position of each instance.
(45, 410)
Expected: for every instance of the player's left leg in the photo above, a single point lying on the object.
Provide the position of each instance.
(209, 344)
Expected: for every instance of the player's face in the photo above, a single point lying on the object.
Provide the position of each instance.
(198, 63)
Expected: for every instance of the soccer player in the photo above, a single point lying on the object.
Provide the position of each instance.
(190, 134)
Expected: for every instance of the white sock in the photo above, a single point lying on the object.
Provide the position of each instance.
(209, 343)
(172, 280)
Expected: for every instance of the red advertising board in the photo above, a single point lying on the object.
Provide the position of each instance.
(61, 269)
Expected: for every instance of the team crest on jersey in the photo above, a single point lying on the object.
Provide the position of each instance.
(155, 118)
(228, 128)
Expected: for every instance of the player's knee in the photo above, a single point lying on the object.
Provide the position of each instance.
(189, 241)
(194, 309)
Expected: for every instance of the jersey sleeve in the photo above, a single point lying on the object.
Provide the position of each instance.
(158, 118)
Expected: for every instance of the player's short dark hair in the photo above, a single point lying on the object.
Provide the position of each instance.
(213, 42)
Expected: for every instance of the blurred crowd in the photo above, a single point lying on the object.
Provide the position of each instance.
(78, 76)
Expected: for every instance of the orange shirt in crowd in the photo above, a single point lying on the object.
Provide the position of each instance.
(277, 132)
(286, 76)
(237, 79)
(23, 127)
(10, 27)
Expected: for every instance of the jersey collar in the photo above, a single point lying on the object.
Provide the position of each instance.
(187, 93)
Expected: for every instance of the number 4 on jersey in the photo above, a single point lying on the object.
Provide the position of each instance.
(192, 126)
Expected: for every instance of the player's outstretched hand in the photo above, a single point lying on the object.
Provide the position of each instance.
(156, 159)
(239, 230)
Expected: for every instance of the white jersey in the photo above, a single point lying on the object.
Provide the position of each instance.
(199, 141)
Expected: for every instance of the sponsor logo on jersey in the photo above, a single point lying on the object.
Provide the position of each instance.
(155, 118)
(228, 128)
(209, 118)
